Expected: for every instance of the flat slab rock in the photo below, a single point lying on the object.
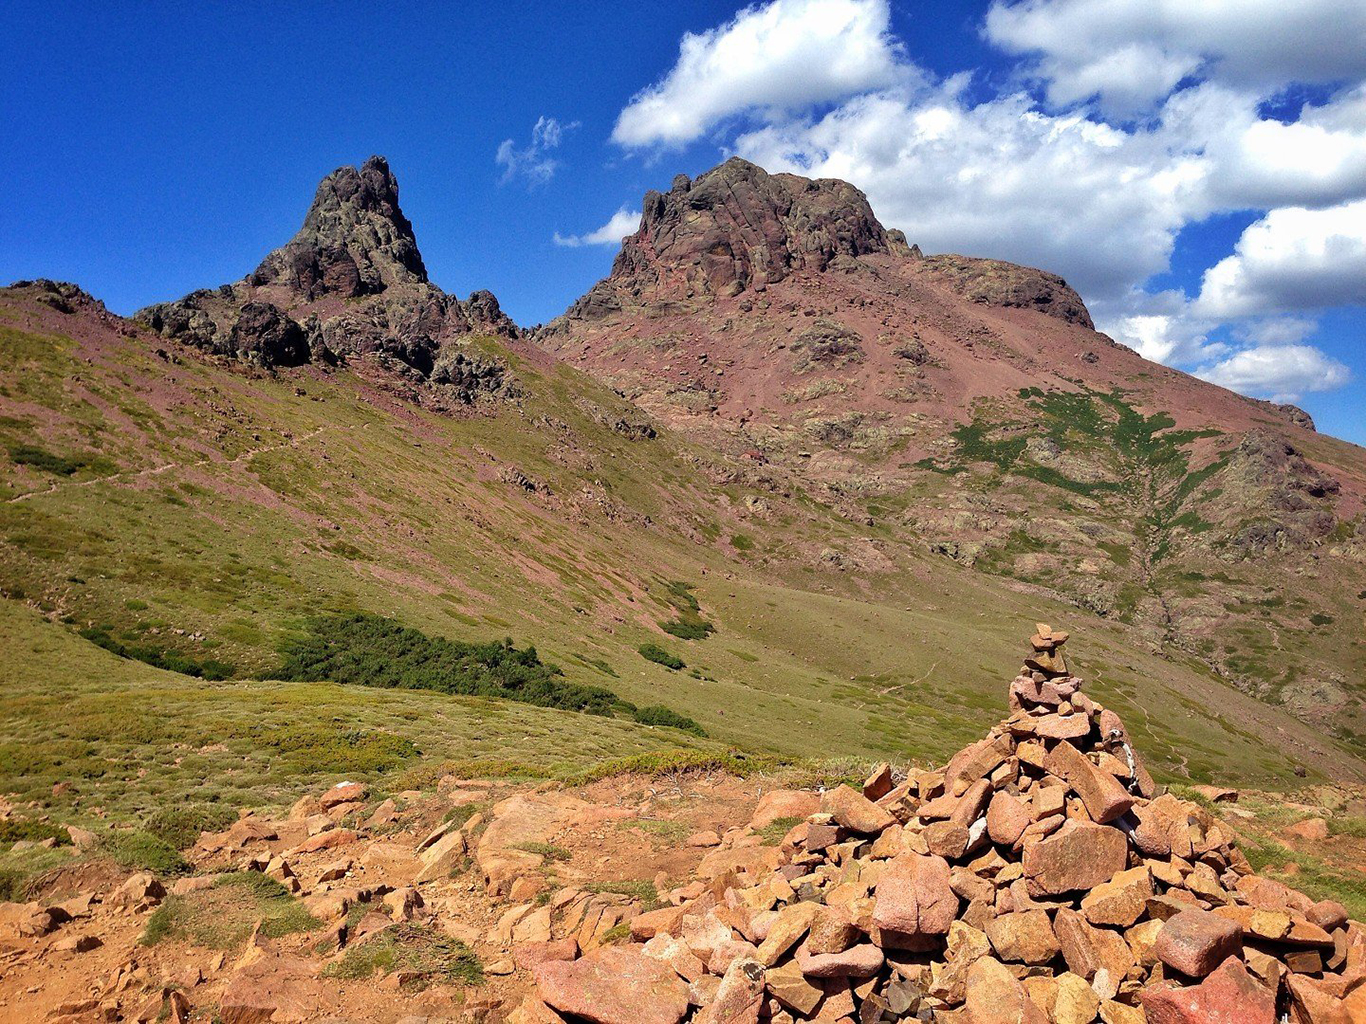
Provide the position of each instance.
(614, 985)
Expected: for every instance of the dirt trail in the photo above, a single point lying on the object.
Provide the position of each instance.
(152, 471)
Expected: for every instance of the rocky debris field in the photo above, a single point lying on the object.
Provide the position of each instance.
(1040, 876)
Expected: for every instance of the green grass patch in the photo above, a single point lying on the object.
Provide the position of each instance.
(14, 886)
(143, 851)
(339, 749)
(772, 833)
(665, 830)
(180, 827)
(547, 850)
(681, 762)
(223, 916)
(634, 888)
(433, 957)
(16, 830)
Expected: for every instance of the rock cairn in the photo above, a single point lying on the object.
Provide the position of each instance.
(1040, 876)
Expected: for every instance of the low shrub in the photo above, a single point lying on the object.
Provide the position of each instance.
(13, 886)
(164, 658)
(651, 652)
(658, 714)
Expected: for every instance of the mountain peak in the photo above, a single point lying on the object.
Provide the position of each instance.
(355, 239)
(737, 227)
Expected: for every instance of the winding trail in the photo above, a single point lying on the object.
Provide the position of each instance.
(141, 474)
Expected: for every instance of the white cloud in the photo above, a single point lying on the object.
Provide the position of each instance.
(624, 222)
(1098, 199)
(782, 56)
(1291, 259)
(1282, 373)
(1277, 330)
(533, 162)
(1097, 204)
(1159, 327)
(1132, 53)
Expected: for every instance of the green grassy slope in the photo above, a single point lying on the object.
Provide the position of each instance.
(210, 511)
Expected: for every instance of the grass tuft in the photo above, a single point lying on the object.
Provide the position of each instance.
(224, 915)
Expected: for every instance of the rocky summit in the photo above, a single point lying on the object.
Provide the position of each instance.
(968, 407)
(350, 283)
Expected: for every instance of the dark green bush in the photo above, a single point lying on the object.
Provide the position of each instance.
(38, 458)
(369, 650)
(688, 624)
(658, 714)
(651, 652)
(172, 661)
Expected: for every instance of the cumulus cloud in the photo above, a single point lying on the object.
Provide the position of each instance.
(1100, 205)
(1132, 53)
(783, 56)
(1291, 259)
(1282, 373)
(624, 222)
(533, 162)
(1067, 185)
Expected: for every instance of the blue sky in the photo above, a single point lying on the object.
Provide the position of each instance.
(1196, 168)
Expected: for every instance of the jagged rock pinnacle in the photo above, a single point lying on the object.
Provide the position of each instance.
(355, 239)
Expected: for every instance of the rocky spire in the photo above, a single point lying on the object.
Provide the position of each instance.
(355, 244)
(355, 239)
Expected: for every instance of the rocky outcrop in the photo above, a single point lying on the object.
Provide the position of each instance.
(738, 228)
(733, 229)
(350, 283)
(1278, 499)
(996, 283)
(355, 239)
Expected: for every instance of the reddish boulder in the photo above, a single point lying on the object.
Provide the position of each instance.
(614, 985)
(861, 961)
(1080, 855)
(995, 996)
(1230, 995)
(343, 793)
(1101, 792)
(1007, 818)
(1195, 942)
(915, 897)
(856, 812)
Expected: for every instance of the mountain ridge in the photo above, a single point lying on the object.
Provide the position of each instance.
(806, 397)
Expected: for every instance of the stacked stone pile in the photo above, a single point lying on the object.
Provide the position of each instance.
(1040, 876)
